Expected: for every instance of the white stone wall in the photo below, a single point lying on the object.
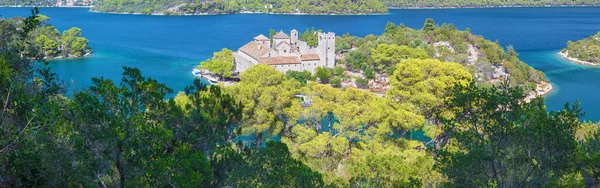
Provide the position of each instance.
(310, 65)
(243, 61)
(288, 67)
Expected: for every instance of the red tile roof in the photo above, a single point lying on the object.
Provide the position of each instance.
(283, 60)
(309, 57)
(254, 51)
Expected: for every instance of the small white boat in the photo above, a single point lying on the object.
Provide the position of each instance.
(212, 81)
(197, 72)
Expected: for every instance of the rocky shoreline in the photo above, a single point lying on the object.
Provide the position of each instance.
(565, 55)
(68, 57)
(542, 89)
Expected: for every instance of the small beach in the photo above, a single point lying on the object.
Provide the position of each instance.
(565, 55)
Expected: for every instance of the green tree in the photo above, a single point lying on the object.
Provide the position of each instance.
(323, 74)
(336, 81)
(302, 77)
(386, 56)
(238, 167)
(429, 25)
(269, 100)
(425, 83)
(221, 63)
(496, 138)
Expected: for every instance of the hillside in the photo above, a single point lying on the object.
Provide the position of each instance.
(487, 61)
(484, 3)
(45, 42)
(585, 51)
(168, 7)
(46, 3)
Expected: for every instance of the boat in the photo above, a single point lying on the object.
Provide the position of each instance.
(212, 81)
(197, 72)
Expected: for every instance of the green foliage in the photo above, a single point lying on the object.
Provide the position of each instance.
(323, 74)
(221, 63)
(238, 6)
(486, 60)
(478, 3)
(301, 77)
(429, 25)
(73, 43)
(339, 71)
(423, 83)
(311, 37)
(509, 142)
(587, 49)
(269, 101)
(386, 56)
(336, 82)
(270, 166)
(362, 83)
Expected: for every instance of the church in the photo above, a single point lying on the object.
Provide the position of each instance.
(287, 53)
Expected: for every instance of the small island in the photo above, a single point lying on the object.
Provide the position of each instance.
(585, 51)
(46, 42)
(372, 63)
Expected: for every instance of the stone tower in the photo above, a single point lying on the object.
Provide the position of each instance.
(294, 37)
(327, 49)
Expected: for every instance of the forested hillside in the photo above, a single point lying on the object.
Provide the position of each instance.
(483, 3)
(587, 50)
(487, 61)
(236, 6)
(45, 41)
(46, 3)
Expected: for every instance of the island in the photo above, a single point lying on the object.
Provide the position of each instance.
(186, 7)
(46, 42)
(585, 51)
(370, 63)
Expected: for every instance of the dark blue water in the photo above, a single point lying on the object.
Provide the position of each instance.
(168, 48)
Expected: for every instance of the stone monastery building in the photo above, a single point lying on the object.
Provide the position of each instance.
(287, 53)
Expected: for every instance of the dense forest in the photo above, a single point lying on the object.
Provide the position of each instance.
(45, 41)
(261, 133)
(170, 7)
(46, 3)
(587, 49)
(484, 3)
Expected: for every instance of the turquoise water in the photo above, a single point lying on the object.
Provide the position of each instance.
(168, 48)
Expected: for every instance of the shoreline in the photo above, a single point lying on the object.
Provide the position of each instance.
(491, 7)
(29, 6)
(565, 55)
(68, 57)
(542, 89)
(242, 12)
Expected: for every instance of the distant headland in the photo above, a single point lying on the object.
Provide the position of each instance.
(585, 51)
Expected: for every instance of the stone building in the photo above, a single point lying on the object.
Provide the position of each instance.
(287, 53)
